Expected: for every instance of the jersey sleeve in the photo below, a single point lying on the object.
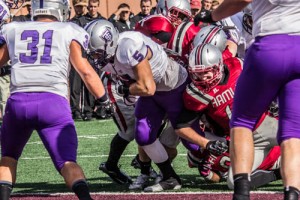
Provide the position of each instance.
(195, 99)
(80, 35)
(131, 52)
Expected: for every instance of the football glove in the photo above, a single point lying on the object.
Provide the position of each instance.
(205, 169)
(216, 147)
(121, 89)
(107, 108)
(5, 70)
(203, 16)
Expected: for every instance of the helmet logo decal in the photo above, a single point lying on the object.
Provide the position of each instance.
(107, 36)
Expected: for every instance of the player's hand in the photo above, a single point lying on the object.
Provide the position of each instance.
(5, 70)
(107, 108)
(203, 16)
(121, 89)
(216, 147)
(205, 169)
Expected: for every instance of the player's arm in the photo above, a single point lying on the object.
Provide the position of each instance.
(4, 55)
(184, 128)
(229, 8)
(85, 70)
(144, 85)
(226, 9)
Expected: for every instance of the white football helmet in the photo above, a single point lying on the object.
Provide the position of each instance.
(60, 9)
(247, 19)
(211, 34)
(103, 41)
(4, 13)
(206, 58)
(176, 10)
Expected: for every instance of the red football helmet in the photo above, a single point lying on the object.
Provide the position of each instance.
(158, 27)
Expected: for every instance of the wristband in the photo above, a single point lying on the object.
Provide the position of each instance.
(102, 99)
(124, 90)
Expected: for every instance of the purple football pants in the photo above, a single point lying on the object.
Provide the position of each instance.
(189, 145)
(150, 111)
(50, 115)
(272, 69)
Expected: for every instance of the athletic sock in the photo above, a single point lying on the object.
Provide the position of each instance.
(117, 147)
(241, 187)
(145, 166)
(167, 170)
(81, 190)
(5, 190)
(291, 193)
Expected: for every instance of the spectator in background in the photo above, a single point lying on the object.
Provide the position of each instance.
(195, 7)
(23, 13)
(146, 6)
(80, 7)
(77, 87)
(153, 9)
(206, 4)
(121, 18)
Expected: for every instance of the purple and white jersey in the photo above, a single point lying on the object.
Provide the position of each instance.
(246, 39)
(4, 12)
(39, 53)
(276, 17)
(133, 47)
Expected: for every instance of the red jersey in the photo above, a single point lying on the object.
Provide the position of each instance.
(217, 103)
(181, 41)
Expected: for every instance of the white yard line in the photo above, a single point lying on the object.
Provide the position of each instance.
(84, 156)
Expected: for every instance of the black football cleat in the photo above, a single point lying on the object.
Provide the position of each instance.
(115, 174)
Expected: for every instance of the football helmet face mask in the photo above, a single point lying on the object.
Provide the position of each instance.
(176, 11)
(60, 9)
(206, 66)
(211, 34)
(103, 42)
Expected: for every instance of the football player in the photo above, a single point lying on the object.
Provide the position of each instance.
(157, 80)
(159, 29)
(211, 93)
(265, 77)
(177, 11)
(41, 52)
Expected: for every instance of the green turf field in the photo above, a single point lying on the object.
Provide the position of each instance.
(36, 173)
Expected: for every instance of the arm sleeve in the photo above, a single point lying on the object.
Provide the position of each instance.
(81, 36)
(186, 118)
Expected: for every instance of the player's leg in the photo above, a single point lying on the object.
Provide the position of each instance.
(15, 132)
(289, 137)
(254, 93)
(125, 120)
(264, 153)
(163, 101)
(170, 140)
(56, 129)
(149, 118)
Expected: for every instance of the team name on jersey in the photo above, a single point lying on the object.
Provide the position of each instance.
(223, 98)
